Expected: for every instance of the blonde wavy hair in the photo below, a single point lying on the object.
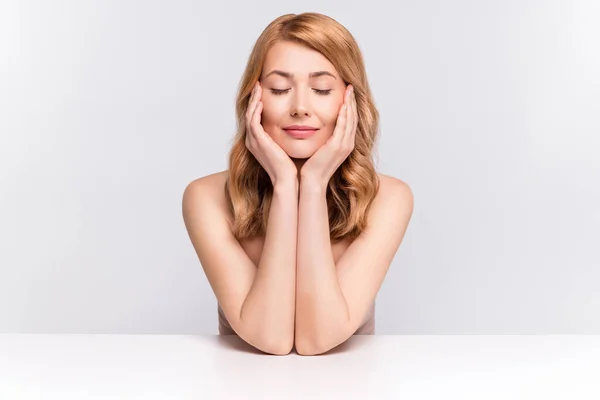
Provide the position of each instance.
(353, 186)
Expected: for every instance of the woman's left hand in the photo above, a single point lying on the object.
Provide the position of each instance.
(320, 167)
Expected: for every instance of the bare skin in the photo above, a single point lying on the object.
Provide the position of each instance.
(217, 213)
(294, 288)
(253, 246)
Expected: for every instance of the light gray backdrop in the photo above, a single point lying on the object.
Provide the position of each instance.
(489, 111)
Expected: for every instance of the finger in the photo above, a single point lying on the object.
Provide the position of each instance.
(350, 112)
(354, 113)
(252, 96)
(252, 107)
(258, 100)
(354, 107)
(256, 117)
(340, 126)
(347, 137)
(251, 103)
(340, 122)
(249, 116)
(347, 114)
(354, 120)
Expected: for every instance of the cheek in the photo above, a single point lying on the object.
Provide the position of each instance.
(271, 112)
(267, 118)
(329, 112)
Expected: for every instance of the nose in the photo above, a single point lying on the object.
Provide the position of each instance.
(299, 104)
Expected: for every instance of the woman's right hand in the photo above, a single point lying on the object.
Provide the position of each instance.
(269, 154)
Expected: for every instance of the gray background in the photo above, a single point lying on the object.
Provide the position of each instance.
(489, 111)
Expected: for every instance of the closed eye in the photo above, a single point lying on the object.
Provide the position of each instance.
(283, 91)
(279, 91)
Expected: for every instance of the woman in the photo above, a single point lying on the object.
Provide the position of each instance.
(296, 237)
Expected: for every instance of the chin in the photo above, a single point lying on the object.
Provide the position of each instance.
(300, 150)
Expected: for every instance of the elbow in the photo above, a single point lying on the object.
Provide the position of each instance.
(280, 350)
(314, 344)
(305, 350)
(277, 347)
(306, 346)
(278, 341)
(274, 343)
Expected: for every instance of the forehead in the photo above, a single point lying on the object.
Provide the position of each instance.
(296, 59)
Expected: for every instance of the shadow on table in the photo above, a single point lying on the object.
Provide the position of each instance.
(234, 342)
(353, 343)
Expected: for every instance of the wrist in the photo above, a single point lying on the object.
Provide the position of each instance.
(310, 183)
(286, 185)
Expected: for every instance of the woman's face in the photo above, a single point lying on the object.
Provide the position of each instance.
(299, 87)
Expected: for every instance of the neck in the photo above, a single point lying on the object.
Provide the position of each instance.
(299, 162)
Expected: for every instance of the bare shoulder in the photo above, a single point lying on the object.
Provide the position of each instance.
(394, 196)
(395, 187)
(394, 193)
(208, 188)
(211, 184)
(228, 268)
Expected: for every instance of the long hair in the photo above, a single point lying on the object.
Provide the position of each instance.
(352, 188)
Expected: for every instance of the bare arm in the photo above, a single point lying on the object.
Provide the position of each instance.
(332, 300)
(269, 308)
(320, 304)
(258, 301)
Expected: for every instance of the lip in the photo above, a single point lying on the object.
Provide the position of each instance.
(300, 131)
(300, 128)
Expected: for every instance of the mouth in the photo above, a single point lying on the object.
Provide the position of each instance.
(300, 132)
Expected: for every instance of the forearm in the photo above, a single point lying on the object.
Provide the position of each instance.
(321, 309)
(270, 304)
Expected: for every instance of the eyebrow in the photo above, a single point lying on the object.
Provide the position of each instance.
(291, 76)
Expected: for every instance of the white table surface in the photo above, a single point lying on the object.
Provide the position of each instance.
(41, 366)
